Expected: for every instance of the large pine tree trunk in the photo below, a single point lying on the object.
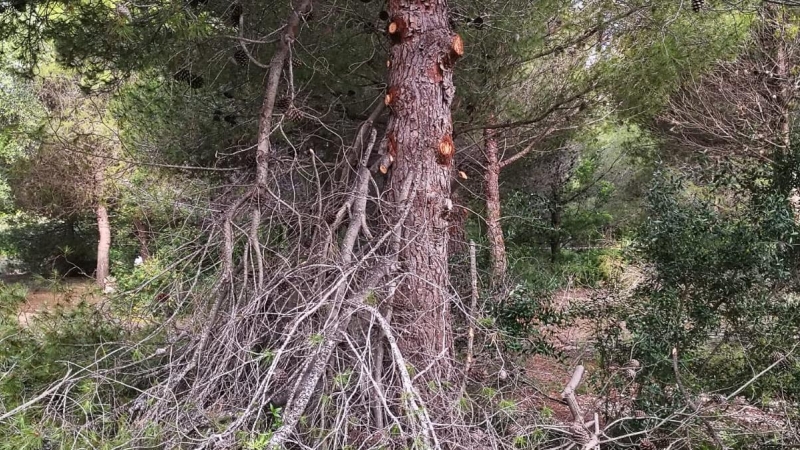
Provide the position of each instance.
(420, 142)
(103, 244)
(493, 227)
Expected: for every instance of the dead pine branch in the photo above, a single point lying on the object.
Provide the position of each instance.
(473, 306)
(340, 317)
(579, 430)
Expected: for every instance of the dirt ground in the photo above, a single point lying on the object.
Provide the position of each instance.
(46, 295)
(550, 374)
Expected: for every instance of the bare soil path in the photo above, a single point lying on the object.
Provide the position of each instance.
(46, 295)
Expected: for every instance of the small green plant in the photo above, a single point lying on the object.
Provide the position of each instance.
(507, 406)
(316, 338)
(266, 356)
(371, 298)
(521, 316)
(276, 414)
(434, 386)
(259, 442)
(488, 392)
(464, 403)
(486, 322)
(326, 400)
(342, 379)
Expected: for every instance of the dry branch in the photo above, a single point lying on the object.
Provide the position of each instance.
(588, 439)
(695, 407)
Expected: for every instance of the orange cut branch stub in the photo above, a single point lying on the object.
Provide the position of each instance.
(458, 45)
(397, 29)
(446, 151)
(455, 51)
(446, 147)
(391, 96)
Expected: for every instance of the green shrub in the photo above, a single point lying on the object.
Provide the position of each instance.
(34, 356)
(592, 268)
(722, 262)
(46, 246)
(521, 315)
(11, 296)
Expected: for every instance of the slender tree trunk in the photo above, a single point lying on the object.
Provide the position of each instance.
(775, 41)
(555, 237)
(142, 231)
(493, 227)
(103, 244)
(420, 142)
(102, 270)
(784, 97)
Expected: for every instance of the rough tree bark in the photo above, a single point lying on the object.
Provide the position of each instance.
(419, 137)
(562, 173)
(493, 227)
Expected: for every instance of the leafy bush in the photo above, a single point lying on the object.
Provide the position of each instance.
(593, 267)
(722, 261)
(522, 314)
(47, 246)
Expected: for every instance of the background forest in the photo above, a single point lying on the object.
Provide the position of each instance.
(396, 224)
